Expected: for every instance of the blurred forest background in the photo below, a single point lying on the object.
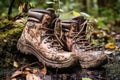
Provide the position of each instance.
(106, 13)
(106, 10)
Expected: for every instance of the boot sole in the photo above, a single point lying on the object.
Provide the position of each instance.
(27, 48)
(95, 61)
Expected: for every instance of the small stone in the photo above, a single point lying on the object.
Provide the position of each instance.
(5, 40)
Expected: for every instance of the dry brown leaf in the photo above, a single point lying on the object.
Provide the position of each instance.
(16, 74)
(35, 70)
(7, 78)
(27, 69)
(96, 33)
(30, 73)
(44, 70)
(14, 79)
(32, 77)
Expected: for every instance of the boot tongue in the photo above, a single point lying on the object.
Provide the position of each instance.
(68, 28)
(80, 20)
(52, 13)
(67, 25)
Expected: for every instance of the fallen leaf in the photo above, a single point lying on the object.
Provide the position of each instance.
(35, 70)
(16, 74)
(27, 70)
(20, 8)
(32, 5)
(44, 70)
(32, 77)
(76, 13)
(7, 78)
(14, 79)
(15, 64)
(110, 46)
(86, 79)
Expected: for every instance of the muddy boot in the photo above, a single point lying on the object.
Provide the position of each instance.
(77, 42)
(40, 39)
(69, 27)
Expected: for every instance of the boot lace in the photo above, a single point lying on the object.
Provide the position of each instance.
(54, 35)
(81, 36)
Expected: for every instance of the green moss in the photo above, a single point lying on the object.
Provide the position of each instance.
(10, 32)
(6, 25)
(8, 28)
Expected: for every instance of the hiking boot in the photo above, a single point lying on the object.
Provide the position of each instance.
(40, 39)
(77, 42)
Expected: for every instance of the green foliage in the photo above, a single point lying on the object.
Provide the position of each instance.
(117, 9)
(86, 78)
(76, 13)
(10, 31)
(91, 7)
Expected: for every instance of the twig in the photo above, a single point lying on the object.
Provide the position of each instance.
(10, 8)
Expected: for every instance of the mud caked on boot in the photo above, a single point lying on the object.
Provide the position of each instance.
(77, 42)
(40, 39)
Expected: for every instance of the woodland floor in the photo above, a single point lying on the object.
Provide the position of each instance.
(16, 66)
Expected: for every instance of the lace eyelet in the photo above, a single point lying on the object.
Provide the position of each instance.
(42, 35)
(40, 27)
(73, 41)
(45, 42)
(30, 24)
(48, 46)
(55, 50)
